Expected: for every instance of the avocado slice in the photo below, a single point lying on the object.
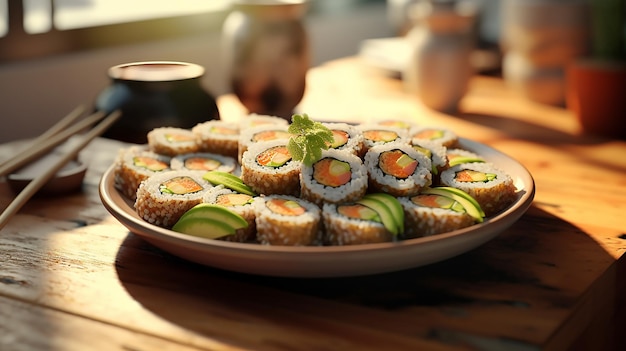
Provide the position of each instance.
(468, 175)
(470, 207)
(393, 205)
(457, 160)
(203, 227)
(229, 180)
(386, 217)
(463, 194)
(214, 212)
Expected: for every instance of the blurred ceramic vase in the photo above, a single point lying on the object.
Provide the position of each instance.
(539, 39)
(155, 94)
(442, 41)
(266, 54)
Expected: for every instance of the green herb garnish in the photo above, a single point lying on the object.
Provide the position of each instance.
(308, 139)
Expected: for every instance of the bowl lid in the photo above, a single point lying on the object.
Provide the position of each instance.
(156, 71)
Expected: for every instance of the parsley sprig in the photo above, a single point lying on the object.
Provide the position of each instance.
(308, 139)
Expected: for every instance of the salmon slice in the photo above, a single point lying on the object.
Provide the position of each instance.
(332, 172)
(468, 175)
(176, 138)
(271, 135)
(202, 164)
(396, 163)
(430, 134)
(224, 131)
(150, 163)
(229, 200)
(433, 201)
(380, 135)
(180, 186)
(274, 157)
(340, 138)
(358, 211)
(285, 207)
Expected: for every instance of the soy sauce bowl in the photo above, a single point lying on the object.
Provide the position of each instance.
(67, 180)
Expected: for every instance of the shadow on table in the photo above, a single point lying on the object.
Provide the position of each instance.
(522, 269)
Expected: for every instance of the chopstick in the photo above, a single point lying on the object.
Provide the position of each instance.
(34, 185)
(43, 146)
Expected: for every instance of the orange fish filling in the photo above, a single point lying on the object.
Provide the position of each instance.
(270, 135)
(229, 200)
(274, 157)
(380, 135)
(468, 175)
(358, 211)
(430, 134)
(285, 207)
(180, 186)
(332, 172)
(340, 138)
(176, 138)
(224, 131)
(396, 163)
(433, 201)
(150, 163)
(202, 164)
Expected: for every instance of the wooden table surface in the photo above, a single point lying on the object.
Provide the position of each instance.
(73, 278)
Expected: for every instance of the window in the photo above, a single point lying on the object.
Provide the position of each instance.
(39, 28)
(36, 28)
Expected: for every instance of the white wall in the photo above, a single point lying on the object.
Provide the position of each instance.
(35, 94)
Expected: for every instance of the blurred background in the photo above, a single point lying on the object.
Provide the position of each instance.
(54, 54)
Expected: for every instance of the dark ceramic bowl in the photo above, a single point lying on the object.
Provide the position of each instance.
(155, 94)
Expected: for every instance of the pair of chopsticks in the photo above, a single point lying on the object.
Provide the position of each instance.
(57, 134)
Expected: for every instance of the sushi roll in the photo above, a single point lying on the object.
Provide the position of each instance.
(339, 176)
(218, 137)
(172, 141)
(267, 168)
(352, 224)
(443, 136)
(374, 134)
(266, 132)
(346, 137)
(238, 203)
(203, 161)
(287, 220)
(397, 169)
(163, 198)
(135, 164)
(429, 214)
(492, 188)
(435, 152)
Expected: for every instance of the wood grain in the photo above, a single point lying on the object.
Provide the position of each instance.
(73, 278)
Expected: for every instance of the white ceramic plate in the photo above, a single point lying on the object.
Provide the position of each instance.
(326, 261)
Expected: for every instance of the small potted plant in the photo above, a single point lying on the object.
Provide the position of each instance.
(597, 84)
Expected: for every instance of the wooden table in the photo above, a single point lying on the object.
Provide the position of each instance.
(73, 278)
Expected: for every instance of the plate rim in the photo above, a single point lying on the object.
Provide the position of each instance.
(114, 201)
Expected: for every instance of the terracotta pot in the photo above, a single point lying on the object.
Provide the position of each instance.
(596, 93)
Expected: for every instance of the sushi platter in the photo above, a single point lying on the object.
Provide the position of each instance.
(328, 260)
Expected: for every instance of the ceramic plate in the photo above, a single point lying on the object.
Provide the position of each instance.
(326, 261)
